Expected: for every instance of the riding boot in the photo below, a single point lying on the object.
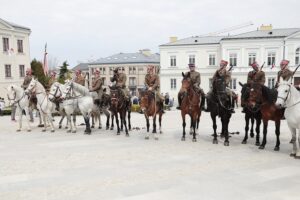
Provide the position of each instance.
(179, 103)
(57, 106)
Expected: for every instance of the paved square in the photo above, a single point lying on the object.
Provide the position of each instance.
(103, 165)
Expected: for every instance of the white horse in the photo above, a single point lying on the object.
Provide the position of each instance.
(16, 95)
(289, 98)
(45, 106)
(81, 100)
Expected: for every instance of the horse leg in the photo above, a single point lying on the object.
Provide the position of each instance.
(69, 121)
(265, 130)
(74, 124)
(60, 121)
(252, 125)
(93, 121)
(27, 120)
(257, 129)
(191, 126)
(294, 140)
(112, 121)
(87, 124)
(213, 117)
(117, 122)
(45, 122)
(194, 120)
(226, 132)
(148, 125)
(99, 118)
(49, 115)
(20, 119)
(124, 121)
(297, 147)
(159, 119)
(246, 128)
(183, 126)
(154, 128)
(129, 120)
(121, 118)
(277, 132)
(107, 119)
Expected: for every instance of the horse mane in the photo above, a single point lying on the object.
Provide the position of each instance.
(269, 94)
(81, 89)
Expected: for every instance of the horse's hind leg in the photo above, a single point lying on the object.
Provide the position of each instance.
(100, 124)
(60, 121)
(294, 139)
(277, 132)
(252, 124)
(93, 121)
(183, 126)
(297, 147)
(154, 128)
(194, 122)
(112, 121)
(215, 140)
(124, 122)
(107, 119)
(148, 125)
(129, 120)
(265, 130)
(226, 133)
(159, 119)
(117, 122)
(246, 129)
(257, 130)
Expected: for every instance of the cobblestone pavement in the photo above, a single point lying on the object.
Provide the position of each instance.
(103, 165)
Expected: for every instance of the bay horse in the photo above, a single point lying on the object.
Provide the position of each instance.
(252, 112)
(119, 105)
(264, 97)
(190, 105)
(219, 105)
(151, 108)
(289, 98)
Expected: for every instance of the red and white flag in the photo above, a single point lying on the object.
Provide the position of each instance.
(45, 61)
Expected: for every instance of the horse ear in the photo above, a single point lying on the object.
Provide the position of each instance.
(182, 74)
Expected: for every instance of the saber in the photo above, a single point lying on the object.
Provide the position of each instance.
(295, 70)
(262, 66)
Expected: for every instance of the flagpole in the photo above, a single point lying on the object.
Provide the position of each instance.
(45, 61)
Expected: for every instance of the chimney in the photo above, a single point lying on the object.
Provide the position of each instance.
(266, 27)
(173, 39)
(146, 52)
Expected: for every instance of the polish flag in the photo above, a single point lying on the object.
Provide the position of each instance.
(45, 61)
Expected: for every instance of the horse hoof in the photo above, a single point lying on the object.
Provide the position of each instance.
(99, 127)
(160, 132)
(182, 139)
(118, 133)
(257, 143)
(276, 148)
(293, 155)
(215, 141)
(44, 130)
(69, 131)
(66, 127)
(251, 135)
(194, 140)
(261, 147)
(18, 130)
(153, 131)
(52, 131)
(292, 141)
(111, 128)
(73, 131)
(147, 138)
(59, 127)
(127, 135)
(226, 144)
(92, 126)
(244, 142)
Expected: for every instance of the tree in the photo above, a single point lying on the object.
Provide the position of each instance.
(38, 72)
(64, 73)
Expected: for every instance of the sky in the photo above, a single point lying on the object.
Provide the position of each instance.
(84, 30)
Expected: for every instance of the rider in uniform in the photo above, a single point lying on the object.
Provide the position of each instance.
(79, 78)
(97, 84)
(26, 82)
(196, 81)
(222, 73)
(120, 82)
(284, 72)
(153, 84)
(254, 76)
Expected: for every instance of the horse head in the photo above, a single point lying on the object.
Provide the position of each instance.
(256, 96)
(146, 98)
(55, 91)
(186, 82)
(284, 93)
(32, 87)
(115, 96)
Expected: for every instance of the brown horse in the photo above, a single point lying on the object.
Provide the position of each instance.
(151, 108)
(190, 105)
(263, 97)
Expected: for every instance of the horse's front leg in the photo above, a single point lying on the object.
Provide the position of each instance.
(124, 122)
(294, 140)
(183, 127)
(93, 120)
(147, 125)
(252, 124)
(129, 120)
(87, 124)
(265, 130)
(49, 116)
(20, 119)
(45, 122)
(277, 132)
(257, 130)
(226, 132)
(194, 122)
(297, 148)
(100, 123)
(107, 118)
(112, 121)
(69, 122)
(213, 117)
(27, 119)
(117, 122)
(74, 128)
(246, 128)
(61, 120)
(154, 128)
(159, 119)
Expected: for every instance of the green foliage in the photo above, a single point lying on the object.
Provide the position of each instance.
(64, 73)
(38, 72)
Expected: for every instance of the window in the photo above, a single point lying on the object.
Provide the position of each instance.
(21, 70)
(132, 70)
(132, 81)
(297, 56)
(103, 80)
(111, 69)
(7, 71)
(212, 60)
(5, 44)
(20, 46)
(271, 82)
(233, 59)
(210, 83)
(173, 83)
(232, 84)
(192, 59)
(271, 58)
(251, 58)
(173, 61)
(102, 70)
(141, 69)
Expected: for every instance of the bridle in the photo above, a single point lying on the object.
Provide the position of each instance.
(287, 96)
(56, 91)
(70, 91)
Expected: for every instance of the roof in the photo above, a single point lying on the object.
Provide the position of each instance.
(196, 40)
(258, 34)
(127, 58)
(15, 25)
(81, 66)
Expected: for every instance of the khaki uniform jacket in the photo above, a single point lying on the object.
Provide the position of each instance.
(196, 79)
(97, 86)
(80, 80)
(286, 74)
(120, 80)
(256, 77)
(222, 73)
(152, 81)
(26, 81)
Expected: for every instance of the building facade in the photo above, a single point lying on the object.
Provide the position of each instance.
(14, 54)
(265, 45)
(134, 65)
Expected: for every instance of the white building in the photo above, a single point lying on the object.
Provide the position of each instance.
(14, 54)
(265, 45)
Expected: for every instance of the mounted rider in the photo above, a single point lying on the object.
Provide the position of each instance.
(224, 74)
(152, 83)
(79, 78)
(120, 82)
(254, 76)
(97, 84)
(196, 81)
(284, 72)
